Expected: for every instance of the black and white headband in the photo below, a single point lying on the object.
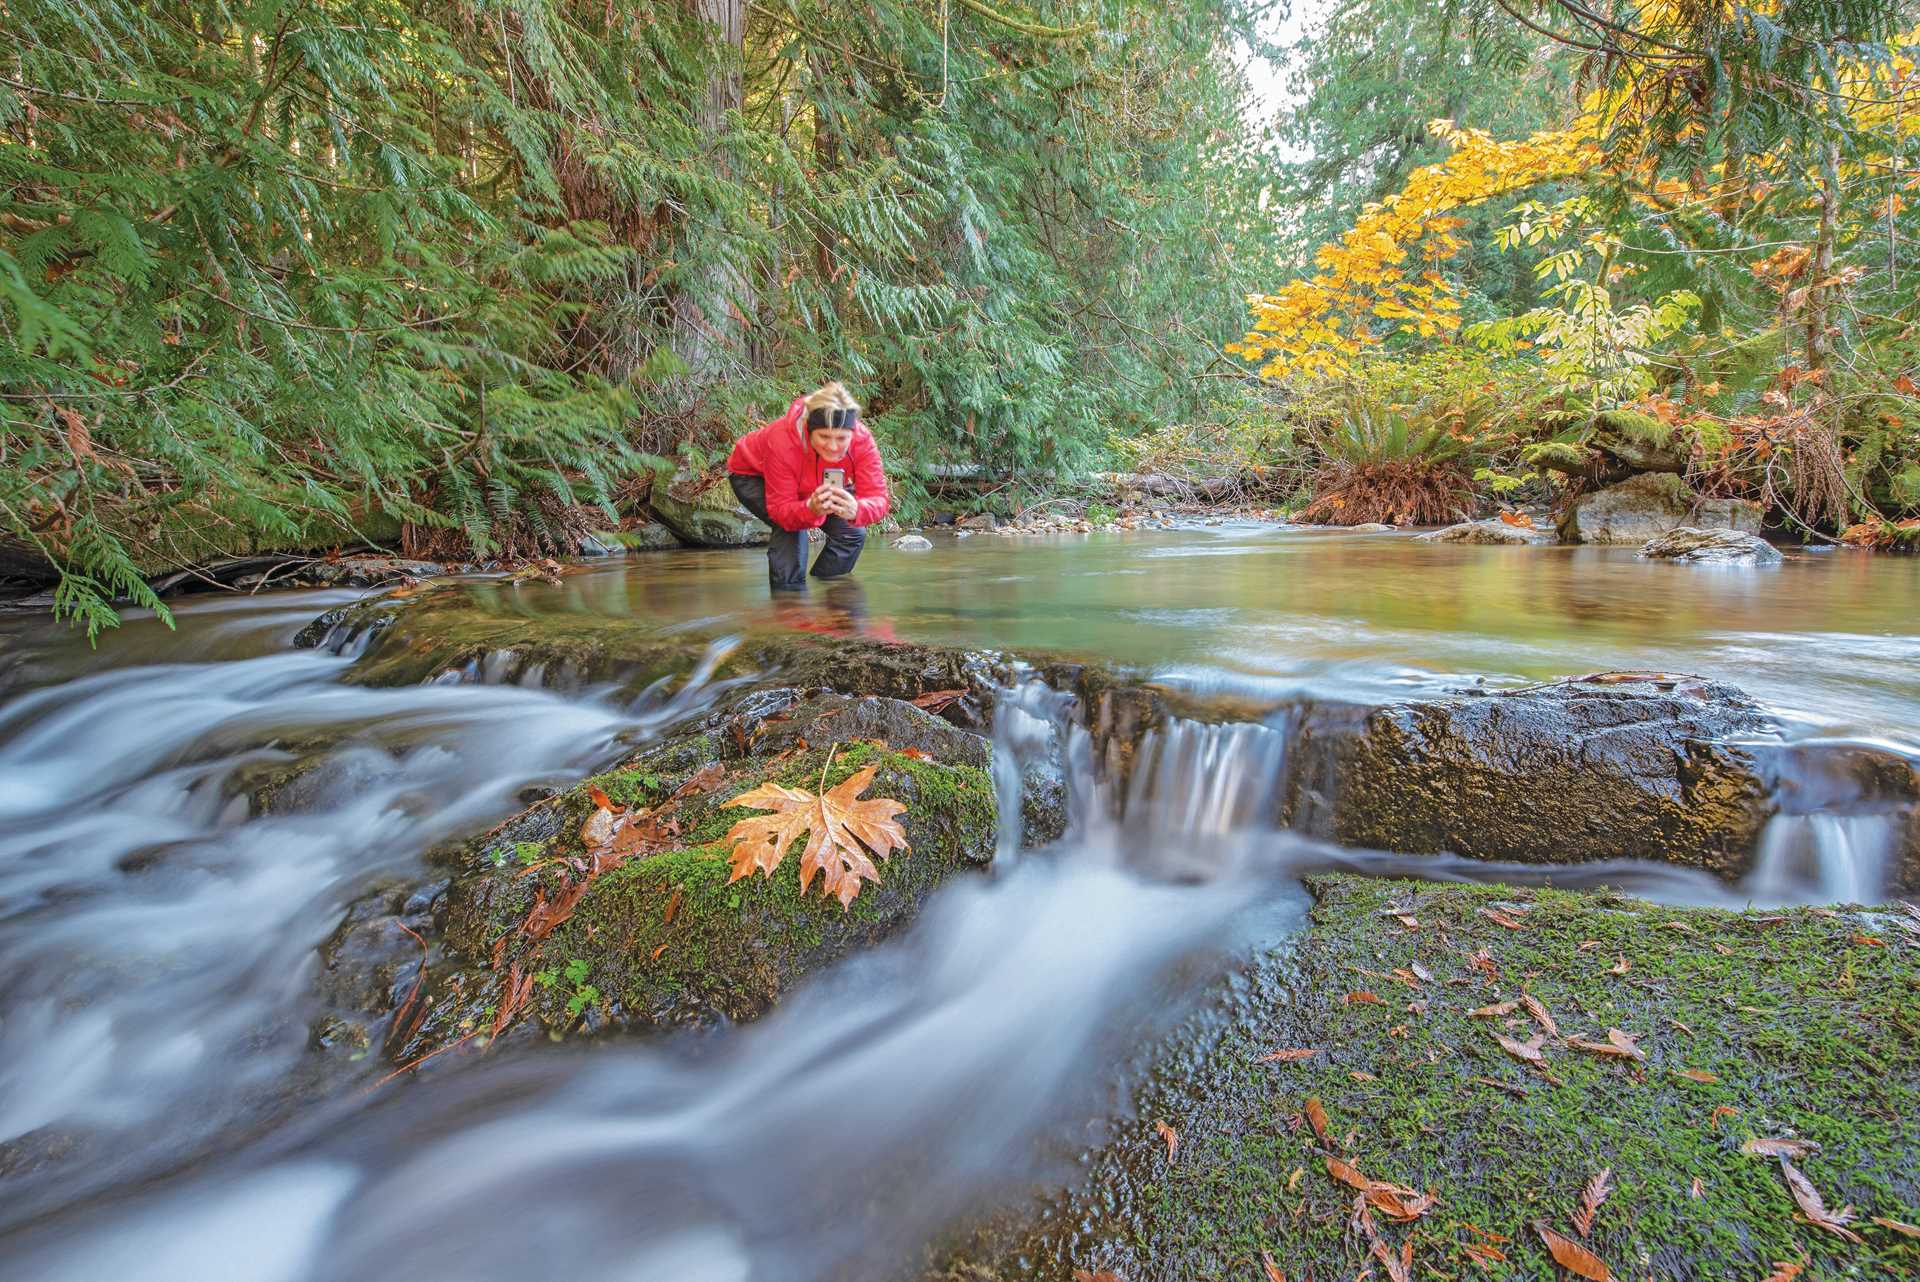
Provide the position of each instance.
(844, 419)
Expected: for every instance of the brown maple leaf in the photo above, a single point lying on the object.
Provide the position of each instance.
(837, 824)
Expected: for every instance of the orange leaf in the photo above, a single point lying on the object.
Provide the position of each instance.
(1698, 1075)
(836, 824)
(1720, 1111)
(1484, 1256)
(655, 956)
(673, 906)
(1171, 1136)
(603, 801)
(1289, 1056)
(1348, 1175)
(1502, 919)
(1590, 1199)
(1905, 387)
(1573, 1257)
(1273, 1270)
(1785, 1270)
(1496, 1011)
(1368, 999)
(1317, 1118)
(1618, 968)
(1905, 1230)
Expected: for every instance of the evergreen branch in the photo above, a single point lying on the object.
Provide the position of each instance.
(1035, 29)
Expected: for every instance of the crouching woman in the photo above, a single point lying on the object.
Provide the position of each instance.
(814, 467)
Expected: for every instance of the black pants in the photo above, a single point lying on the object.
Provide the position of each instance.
(787, 549)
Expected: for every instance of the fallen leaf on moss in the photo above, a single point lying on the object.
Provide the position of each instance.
(837, 824)
(1871, 941)
(1363, 999)
(1700, 1075)
(1573, 1257)
(1171, 1136)
(1779, 1147)
(603, 801)
(1540, 1015)
(1483, 961)
(1399, 1267)
(1348, 1174)
(1499, 918)
(1590, 1199)
(1617, 1044)
(1619, 968)
(1495, 1011)
(1785, 1270)
(1698, 1189)
(1085, 1275)
(1905, 1230)
(1484, 1256)
(1289, 1056)
(1273, 1270)
(1317, 1118)
(673, 907)
(1528, 1050)
(934, 700)
(1720, 1111)
(655, 955)
(1360, 1075)
(1808, 1199)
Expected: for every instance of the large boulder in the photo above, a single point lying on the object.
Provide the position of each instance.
(700, 509)
(1488, 532)
(1711, 547)
(663, 937)
(1648, 505)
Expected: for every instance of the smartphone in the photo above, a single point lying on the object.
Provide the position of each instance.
(836, 477)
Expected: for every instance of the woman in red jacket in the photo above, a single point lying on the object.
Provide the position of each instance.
(814, 467)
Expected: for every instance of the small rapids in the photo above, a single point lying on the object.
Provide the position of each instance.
(159, 935)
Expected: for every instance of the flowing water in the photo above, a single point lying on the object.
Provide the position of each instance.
(158, 1117)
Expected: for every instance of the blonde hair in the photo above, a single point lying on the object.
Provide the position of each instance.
(830, 396)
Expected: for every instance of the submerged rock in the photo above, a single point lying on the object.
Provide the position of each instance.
(1492, 531)
(664, 938)
(1710, 547)
(1647, 506)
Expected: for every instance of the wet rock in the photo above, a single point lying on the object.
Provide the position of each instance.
(912, 543)
(1568, 772)
(1648, 505)
(701, 511)
(1488, 532)
(664, 938)
(981, 521)
(1371, 527)
(650, 537)
(1710, 547)
(832, 717)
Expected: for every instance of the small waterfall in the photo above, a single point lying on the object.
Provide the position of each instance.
(1042, 766)
(1192, 778)
(1823, 858)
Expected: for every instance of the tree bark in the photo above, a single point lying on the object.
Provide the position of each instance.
(711, 309)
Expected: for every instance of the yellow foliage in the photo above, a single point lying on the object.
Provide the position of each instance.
(1316, 326)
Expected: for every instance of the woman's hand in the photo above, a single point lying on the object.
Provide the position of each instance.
(831, 500)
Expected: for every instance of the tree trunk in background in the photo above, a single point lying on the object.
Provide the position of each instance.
(711, 310)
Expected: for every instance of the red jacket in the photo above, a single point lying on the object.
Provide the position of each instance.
(778, 453)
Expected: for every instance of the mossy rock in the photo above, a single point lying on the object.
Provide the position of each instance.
(702, 512)
(666, 939)
(1568, 772)
(486, 631)
(1753, 1025)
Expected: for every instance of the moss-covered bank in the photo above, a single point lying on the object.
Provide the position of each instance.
(664, 938)
(1803, 1024)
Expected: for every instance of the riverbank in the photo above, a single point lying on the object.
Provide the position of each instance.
(1466, 1061)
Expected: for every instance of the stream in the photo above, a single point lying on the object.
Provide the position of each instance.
(159, 1113)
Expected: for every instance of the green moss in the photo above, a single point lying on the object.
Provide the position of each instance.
(1635, 426)
(669, 939)
(1805, 1026)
